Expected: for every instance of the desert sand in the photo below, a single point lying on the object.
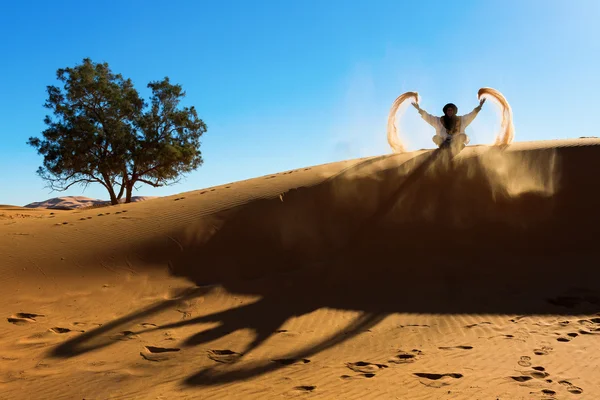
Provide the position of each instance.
(76, 202)
(408, 276)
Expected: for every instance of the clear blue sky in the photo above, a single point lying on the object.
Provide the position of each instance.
(287, 84)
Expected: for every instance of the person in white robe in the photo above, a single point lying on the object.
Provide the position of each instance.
(450, 128)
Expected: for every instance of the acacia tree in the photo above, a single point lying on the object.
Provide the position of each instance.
(103, 132)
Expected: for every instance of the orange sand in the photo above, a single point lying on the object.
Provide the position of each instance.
(407, 276)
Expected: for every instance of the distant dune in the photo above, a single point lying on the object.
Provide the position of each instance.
(406, 276)
(75, 202)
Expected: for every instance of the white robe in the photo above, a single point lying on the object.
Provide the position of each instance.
(440, 129)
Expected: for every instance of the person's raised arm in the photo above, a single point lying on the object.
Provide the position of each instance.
(468, 118)
(430, 119)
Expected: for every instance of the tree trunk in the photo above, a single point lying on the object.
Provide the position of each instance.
(113, 196)
(124, 182)
(121, 191)
(111, 191)
(129, 190)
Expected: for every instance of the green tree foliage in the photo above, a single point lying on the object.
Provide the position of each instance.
(104, 132)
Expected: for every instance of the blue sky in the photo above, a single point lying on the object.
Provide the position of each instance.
(283, 84)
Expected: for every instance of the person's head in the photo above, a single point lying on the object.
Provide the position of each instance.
(450, 110)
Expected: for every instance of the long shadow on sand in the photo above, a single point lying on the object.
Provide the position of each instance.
(277, 306)
(513, 233)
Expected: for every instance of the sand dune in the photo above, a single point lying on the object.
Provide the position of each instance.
(75, 202)
(406, 276)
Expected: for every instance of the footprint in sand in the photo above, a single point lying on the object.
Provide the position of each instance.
(592, 324)
(305, 388)
(543, 351)
(60, 330)
(152, 353)
(571, 388)
(365, 367)
(86, 324)
(224, 356)
(286, 333)
(537, 373)
(23, 318)
(436, 380)
(290, 361)
(591, 320)
(478, 324)
(456, 347)
(521, 378)
(367, 375)
(524, 361)
(584, 332)
(546, 392)
(435, 377)
(568, 339)
(505, 336)
(406, 357)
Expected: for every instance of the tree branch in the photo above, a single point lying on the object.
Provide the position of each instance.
(153, 184)
(149, 170)
(82, 180)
